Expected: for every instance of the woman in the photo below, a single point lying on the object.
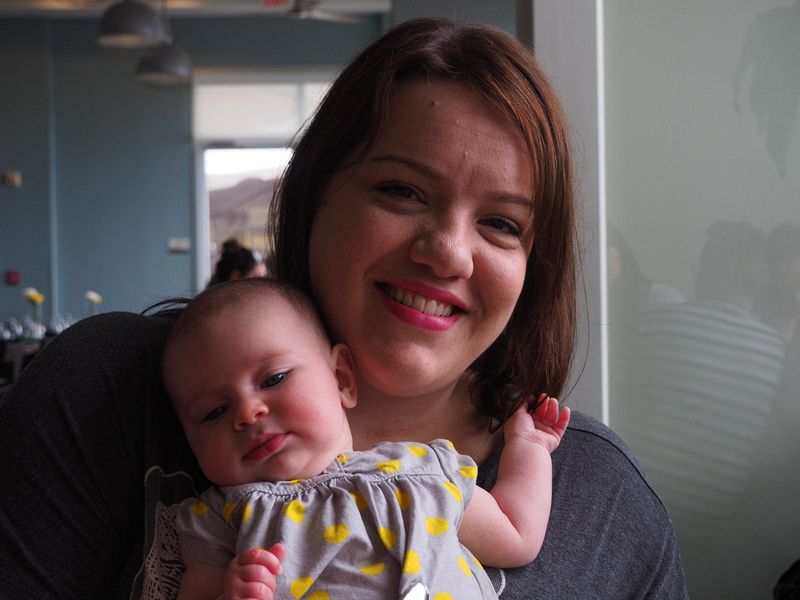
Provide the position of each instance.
(429, 211)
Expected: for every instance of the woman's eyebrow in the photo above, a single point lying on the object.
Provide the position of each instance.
(411, 163)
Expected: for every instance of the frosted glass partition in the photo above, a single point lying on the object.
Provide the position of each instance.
(703, 270)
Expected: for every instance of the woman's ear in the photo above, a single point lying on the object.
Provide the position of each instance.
(344, 369)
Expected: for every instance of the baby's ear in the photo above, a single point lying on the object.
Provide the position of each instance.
(345, 372)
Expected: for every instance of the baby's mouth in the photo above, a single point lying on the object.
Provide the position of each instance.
(420, 302)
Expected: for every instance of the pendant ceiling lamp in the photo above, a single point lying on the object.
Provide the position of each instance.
(165, 65)
(130, 24)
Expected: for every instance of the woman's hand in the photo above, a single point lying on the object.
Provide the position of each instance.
(545, 425)
(252, 575)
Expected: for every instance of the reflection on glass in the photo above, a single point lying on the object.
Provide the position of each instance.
(702, 180)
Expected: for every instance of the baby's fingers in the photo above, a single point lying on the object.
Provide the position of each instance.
(548, 415)
(270, 559)
(560, 426)
(546, 411)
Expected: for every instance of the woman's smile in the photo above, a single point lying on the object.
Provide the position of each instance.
(420, 302)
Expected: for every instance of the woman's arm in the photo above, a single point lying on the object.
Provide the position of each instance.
(505, 528)
(71, 461)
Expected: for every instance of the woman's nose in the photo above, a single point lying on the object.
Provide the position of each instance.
(249, 410)
(445, 249)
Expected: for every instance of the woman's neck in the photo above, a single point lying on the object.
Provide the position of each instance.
(446, 414)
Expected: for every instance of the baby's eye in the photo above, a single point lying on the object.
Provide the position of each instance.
(215, 414)
(273, 380)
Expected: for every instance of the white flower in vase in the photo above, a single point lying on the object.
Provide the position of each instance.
(93, 300)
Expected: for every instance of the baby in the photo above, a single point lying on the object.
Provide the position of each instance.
(295, 512)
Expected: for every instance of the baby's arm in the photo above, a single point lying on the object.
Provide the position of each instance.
(505, 528)
(250, 575)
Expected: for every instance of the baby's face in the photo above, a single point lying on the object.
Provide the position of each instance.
(257, 392)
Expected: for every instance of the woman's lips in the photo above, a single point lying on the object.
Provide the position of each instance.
(422, 306)
(420, 302)
(265, 445)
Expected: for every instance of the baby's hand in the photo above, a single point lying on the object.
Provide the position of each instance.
(545, 426)
(253, 574)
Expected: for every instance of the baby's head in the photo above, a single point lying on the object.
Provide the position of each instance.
(256, 385)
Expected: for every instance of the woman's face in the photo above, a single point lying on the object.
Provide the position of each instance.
(418, 252)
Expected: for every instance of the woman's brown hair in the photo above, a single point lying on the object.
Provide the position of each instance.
(534, 352)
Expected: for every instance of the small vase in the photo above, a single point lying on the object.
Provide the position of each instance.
(36, 312)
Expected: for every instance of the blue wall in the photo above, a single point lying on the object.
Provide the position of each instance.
(107, 164)
(25, 216)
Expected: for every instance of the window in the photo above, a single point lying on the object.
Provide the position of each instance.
(244, 125)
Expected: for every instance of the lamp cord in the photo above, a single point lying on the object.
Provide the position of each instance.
(165, 22)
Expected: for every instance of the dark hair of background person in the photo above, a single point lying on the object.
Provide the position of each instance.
(534, 352)
(235, 258)
(627, 289)
(779, 302)
(733, 264)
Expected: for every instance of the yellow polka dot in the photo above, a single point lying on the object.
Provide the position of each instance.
(418, 451)
(295, 511)
(247, 512)
(375, 569)
(436, 525)
(342, 458)
(390, 466)
(319, 596)
(411, 563)
(477, 562)
(388, 537)
(453, 489)
(295, 481)
(227, 510)
(199, 509)
(403, 499)
(470, 472)
(336, 534)
(300, 586)
(462, 564)
(449, 443)
(360, 500)
(443, 596)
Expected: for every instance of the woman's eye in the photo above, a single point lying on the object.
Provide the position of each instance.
(273, 380)
(399, 190)
(503, 226)
(215, 414)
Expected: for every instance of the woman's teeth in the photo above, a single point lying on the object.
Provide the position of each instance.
(421, 303)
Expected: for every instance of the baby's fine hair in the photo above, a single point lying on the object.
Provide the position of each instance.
(238, 292)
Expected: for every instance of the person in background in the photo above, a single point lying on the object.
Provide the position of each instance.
(237, 262)
(428, 210)
(263, 398)
(701, 364)
(778, 303)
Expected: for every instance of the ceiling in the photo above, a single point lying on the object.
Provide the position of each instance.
(78, 8)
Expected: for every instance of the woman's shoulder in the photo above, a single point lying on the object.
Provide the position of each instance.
(596, 444)
(593, 460)
(609, 535)
(118, 328)
(588, 448)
